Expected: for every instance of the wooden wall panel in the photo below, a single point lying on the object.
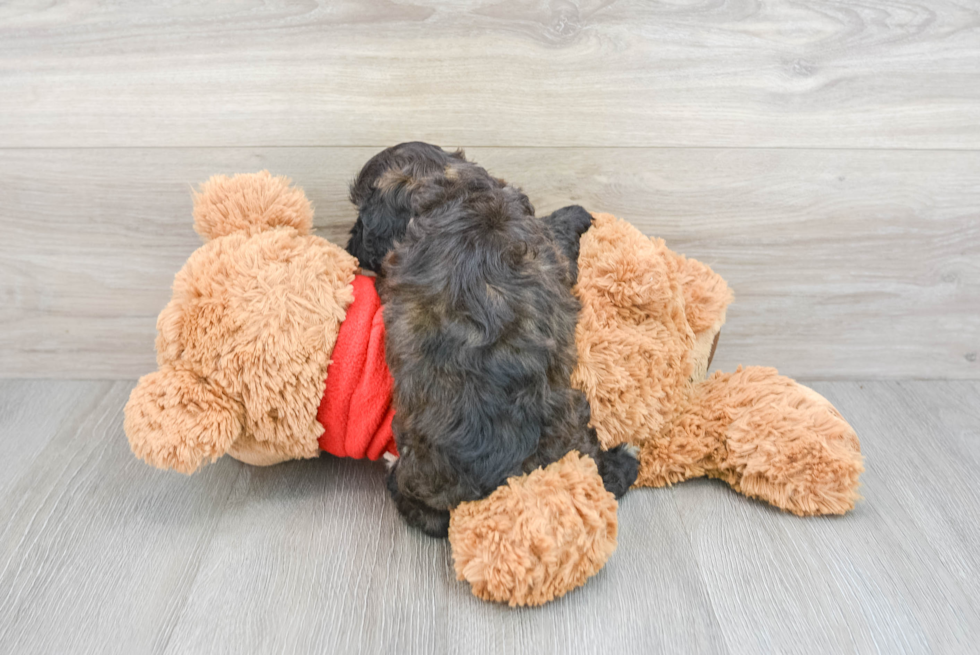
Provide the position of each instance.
(875, 74)
(846, 263)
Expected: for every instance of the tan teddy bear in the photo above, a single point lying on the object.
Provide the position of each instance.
(272, 348)
(244, 345)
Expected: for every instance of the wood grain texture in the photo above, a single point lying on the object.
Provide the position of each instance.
(896, 575)
(338, 571)
(31, 413)
(96, 551)
(101, 554)
(881, 73)
(845, 263)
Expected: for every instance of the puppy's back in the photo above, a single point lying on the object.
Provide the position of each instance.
(480, 327)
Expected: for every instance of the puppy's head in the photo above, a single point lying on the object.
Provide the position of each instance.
(384, 194)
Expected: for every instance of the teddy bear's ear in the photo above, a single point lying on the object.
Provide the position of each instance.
(249, 203)
(178, 420)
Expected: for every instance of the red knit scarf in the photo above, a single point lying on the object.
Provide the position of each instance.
(356, 408)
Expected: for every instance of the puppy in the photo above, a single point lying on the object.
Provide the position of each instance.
(480, 327)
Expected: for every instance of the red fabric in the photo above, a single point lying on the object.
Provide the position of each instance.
(356, 408)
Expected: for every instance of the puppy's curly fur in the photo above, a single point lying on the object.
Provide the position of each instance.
(480, 324)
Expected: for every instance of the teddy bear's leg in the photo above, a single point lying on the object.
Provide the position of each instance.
(768, 437)
(688, 447)
(249, 450)
(537, 537)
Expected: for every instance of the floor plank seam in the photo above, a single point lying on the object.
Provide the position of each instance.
(181, 605)
(702, 579)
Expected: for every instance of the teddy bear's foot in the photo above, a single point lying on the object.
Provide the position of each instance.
(765, 435)
(784, 443)
(537, 537)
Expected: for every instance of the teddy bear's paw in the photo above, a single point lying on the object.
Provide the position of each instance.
(537, 537)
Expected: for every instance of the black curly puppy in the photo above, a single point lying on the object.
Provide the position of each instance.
(480, 327)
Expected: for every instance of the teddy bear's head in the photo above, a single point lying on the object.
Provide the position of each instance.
(243, 344)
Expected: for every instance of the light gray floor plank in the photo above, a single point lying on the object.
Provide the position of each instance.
(32, 413)
(881, 73)
(844, 263)
(888, 577)
(97, 551)
(100, 553)
(920, 490)
(335, 570)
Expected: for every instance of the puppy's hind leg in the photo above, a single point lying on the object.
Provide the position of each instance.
(432, 522)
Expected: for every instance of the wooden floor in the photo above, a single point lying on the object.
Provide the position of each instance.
(101, 554)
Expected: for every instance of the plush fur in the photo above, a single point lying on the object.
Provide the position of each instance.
(244, 343)
(249, 204)
(538, 536)
(649, 320)
(809, 464)
(480, 323)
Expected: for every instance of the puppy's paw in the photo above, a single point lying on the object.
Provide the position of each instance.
(618, 468)
(432, 522)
